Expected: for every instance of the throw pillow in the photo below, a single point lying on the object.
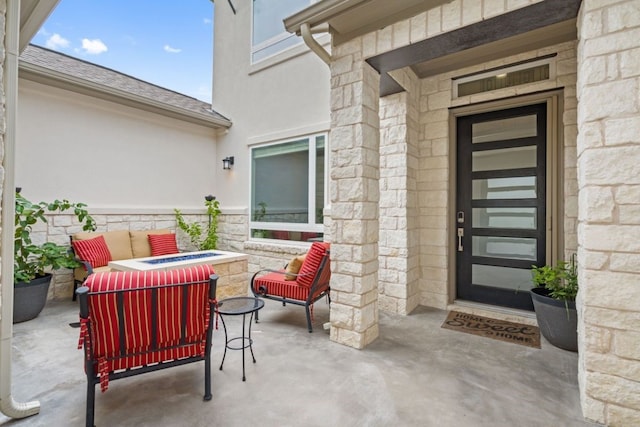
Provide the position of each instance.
(163, 244)
(294, 267)
(95, 251)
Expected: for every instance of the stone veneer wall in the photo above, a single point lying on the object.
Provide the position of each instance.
(399, 275)
(355, 195)
(433, 182)
(609, 211)
(232, 234)
(355, 136)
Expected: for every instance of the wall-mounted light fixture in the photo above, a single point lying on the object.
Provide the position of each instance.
(227, 162)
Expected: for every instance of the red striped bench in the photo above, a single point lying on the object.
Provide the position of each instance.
(138, 322)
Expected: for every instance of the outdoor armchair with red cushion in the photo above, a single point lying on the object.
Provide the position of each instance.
(306, 286)
(136, 322)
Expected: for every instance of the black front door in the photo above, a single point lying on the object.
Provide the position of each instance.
(501, 204)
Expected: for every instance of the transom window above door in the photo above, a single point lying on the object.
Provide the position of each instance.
(288, 180)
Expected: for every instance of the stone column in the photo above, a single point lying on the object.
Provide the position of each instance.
(609, 210)
(354, 197)
(399, 287)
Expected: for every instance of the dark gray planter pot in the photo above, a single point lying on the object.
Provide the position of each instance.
(29, 298)
(558, 324)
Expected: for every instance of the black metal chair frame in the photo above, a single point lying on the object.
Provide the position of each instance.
(261, 293)
(87, 265)
(91, 364)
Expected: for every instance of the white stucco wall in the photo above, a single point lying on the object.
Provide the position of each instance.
(110, 156)
(267, 103)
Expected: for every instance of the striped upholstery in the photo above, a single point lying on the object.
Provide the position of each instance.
(311, 263)
(95, 251)
(163, 244)
(139, 346)
(311, 284)
(275, 284)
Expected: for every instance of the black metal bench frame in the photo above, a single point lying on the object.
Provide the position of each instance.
(91, 363)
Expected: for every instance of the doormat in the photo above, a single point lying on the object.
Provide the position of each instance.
(492, 328)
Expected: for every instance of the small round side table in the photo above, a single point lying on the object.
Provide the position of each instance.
(237, 306)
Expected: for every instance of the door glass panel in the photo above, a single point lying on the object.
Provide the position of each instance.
(504, 247)
(501, 277)
(521, 187)
(500, 130)
(501, 195)
(520, 218)
(504, 158)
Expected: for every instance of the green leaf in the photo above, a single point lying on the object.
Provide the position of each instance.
(31, 260)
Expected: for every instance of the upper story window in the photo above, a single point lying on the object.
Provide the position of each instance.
(269, 34)
(288, 189)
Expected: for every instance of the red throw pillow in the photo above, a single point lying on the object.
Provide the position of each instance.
(95, 251)
(163, 244)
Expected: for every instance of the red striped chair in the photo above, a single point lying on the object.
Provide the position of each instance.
(304, 288)
(137, 322)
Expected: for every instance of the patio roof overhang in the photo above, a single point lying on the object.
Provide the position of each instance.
(348, 19)
(33, 13)
(532, 27)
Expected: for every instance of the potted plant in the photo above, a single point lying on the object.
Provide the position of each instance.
(32, 262)
(194, 230)
(554, 303)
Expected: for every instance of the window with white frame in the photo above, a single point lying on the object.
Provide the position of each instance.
(288, 189)
(269, 34)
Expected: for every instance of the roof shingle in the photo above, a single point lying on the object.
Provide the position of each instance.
(107, 78)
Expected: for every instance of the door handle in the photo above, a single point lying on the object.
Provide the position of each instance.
(460, 235)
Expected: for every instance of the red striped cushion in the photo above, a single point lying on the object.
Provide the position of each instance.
(163, 244)
(311, 263)
(137, 313)
(274, 284)
(95, 251)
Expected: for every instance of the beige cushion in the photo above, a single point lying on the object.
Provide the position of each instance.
(118, 242)
(140, 242)
(294, 267)
(80, 273)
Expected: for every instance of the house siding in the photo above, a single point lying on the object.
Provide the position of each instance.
(93, 150)
(415, 158)
(390, 186)
(286, 96)
(598, 198)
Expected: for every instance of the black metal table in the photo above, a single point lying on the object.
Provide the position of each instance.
(234, 307)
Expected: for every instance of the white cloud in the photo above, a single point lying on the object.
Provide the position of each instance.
(170, 49)
(93, 47)
(203, 93)
(56, 41)
(207, 21)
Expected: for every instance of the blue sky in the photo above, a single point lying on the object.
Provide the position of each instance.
(167, 43)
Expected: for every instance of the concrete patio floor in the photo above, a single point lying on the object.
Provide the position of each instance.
(415, 374)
